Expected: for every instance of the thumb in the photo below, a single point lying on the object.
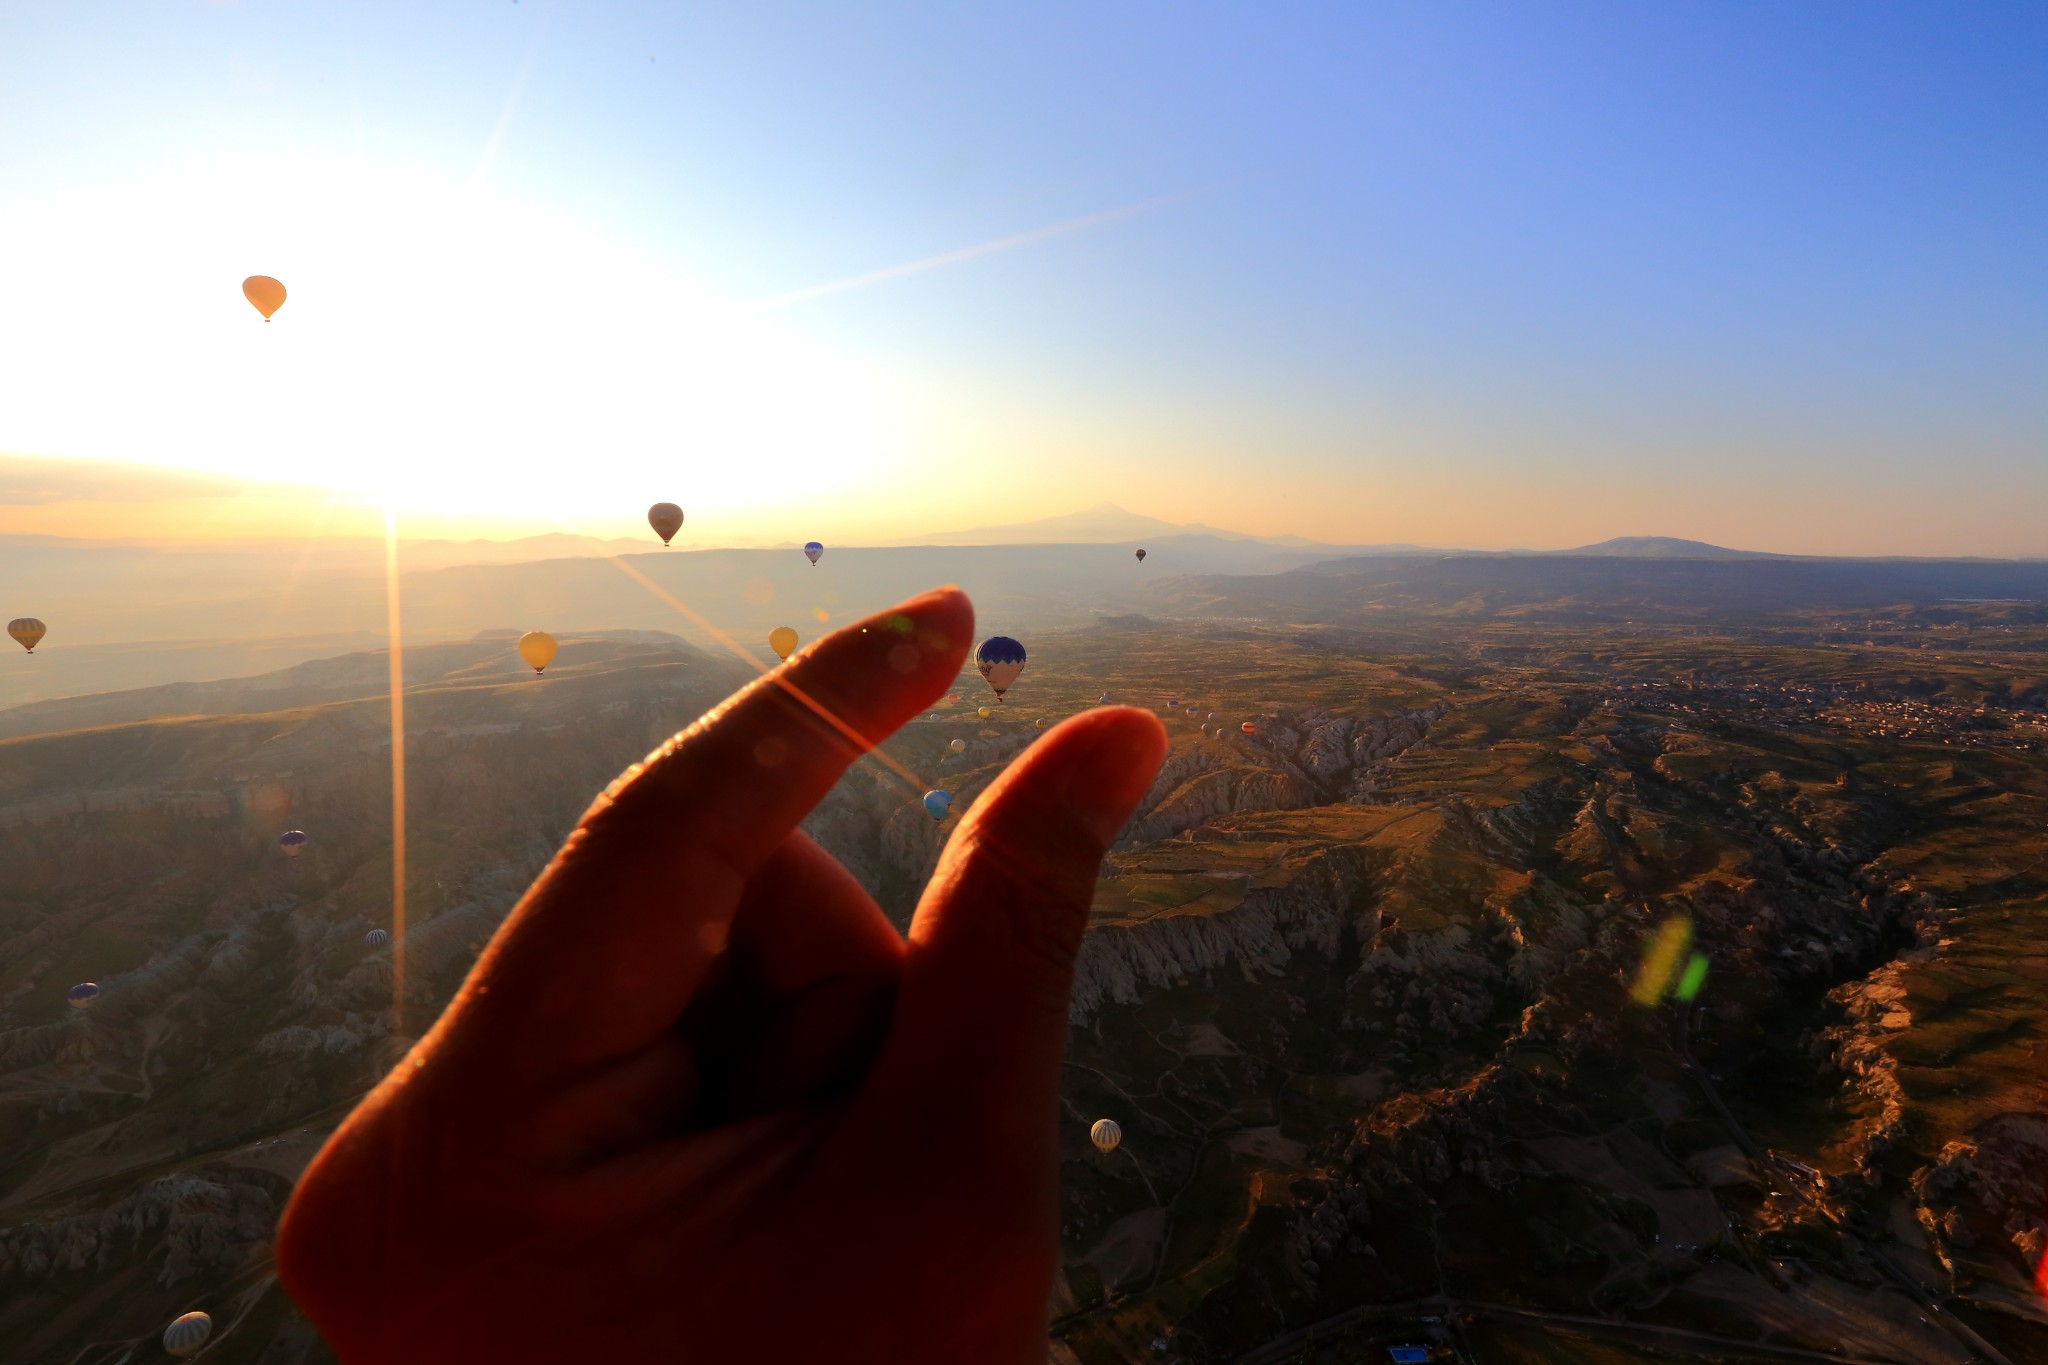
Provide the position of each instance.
(981, 1015)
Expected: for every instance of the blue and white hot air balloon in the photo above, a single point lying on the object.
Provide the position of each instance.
(812, 549)
(376, 938)
(999, 659)
(291, 841)
(81, 996)
(187, 1335)
(938, 804)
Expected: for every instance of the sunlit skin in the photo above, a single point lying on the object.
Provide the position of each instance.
(698, 1100)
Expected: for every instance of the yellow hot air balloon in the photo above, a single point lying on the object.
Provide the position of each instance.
(267, 294)
(984, 713)
(782, 640)
(27, 631)
(537, 647)
(1106, 1134)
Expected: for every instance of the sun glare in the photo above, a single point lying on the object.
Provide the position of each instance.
(443, 351)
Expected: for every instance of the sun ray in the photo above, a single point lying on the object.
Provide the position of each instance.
(397, 772)
(918, 786)
(968, 253)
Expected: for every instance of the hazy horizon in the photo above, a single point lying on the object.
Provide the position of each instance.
(1505, 277)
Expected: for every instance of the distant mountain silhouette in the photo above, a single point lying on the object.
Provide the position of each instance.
(1108, 524)
(1662, 547)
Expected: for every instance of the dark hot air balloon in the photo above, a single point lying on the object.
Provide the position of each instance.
(666, 518)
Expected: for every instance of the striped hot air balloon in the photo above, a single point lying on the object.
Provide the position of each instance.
(81, 996)
(27, 631)
(292, 841)
(376, 938)
(187, 1335)
(1105, 1135)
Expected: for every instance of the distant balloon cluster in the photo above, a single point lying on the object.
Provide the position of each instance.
(999, 659)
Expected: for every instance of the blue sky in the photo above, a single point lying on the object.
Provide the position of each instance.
(1478, 275)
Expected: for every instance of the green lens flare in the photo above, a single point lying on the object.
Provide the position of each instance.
(1694, 978)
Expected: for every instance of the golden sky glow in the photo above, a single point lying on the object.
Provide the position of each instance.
(1366, 275)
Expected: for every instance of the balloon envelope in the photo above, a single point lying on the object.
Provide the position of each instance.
(1249, 728)
(267, 294)
(1141, 556)
(984, 713)
(184, 1337)
(26, 631)
(1106, 1134)
(782, 640)
(291, 841)
(537, 647)
(666, 518)
(958, 746)
(999, 659)
(376, 938)
(812, 549)
(82, 995)
(937, 804)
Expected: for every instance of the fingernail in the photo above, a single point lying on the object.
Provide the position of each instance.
(1115, 767)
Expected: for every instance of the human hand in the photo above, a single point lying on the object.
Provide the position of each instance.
(699, 1101)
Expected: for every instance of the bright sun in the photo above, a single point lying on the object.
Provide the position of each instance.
(443, 350)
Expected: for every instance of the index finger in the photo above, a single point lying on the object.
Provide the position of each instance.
(615, 936)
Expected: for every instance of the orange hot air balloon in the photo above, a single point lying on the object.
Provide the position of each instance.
(267, 294)
(537, 647)
(27, 632)
(782, 640)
